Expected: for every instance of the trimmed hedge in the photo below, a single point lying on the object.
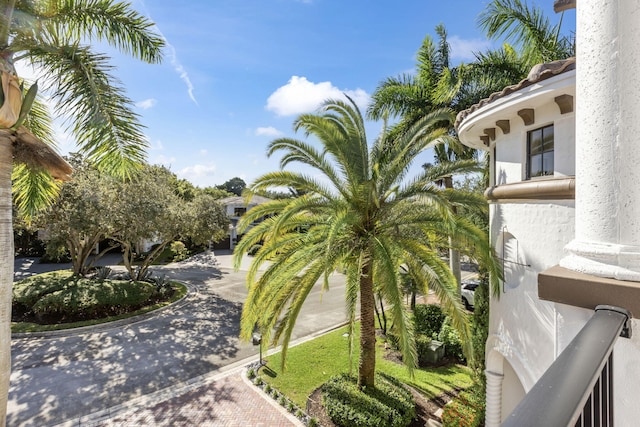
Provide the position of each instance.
(61, 297)
(389, 404)
(451, 339)
(428, 319)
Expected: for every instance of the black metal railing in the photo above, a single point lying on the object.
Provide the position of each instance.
(577, 389)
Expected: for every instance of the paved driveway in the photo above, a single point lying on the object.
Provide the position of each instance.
(57, 378)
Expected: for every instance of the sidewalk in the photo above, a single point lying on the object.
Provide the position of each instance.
(226, 399)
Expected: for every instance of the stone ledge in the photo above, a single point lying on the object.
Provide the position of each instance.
(538, 189)
(561, 285)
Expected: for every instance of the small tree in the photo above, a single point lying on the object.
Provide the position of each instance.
(76, 221)
(149, 208)
(234, 185)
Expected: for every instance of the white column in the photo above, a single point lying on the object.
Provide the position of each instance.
(493, 417)
(607, 240)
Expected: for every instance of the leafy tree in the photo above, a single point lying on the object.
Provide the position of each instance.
(216, 193)
(366, 216)
(47, 34)
(234, 185)
(147, 207)
(183, 188)
(77, 220)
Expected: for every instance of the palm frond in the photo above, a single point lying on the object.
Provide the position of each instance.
(98, 113)
(33, 190)
(114, 22)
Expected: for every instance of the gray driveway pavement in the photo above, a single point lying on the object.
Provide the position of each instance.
(66, 376)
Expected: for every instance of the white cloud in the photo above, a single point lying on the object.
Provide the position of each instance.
(177, 66)
(203, 152)
(197, 171)
(155, 145)
(147, 103)
(267, 131)
(173, 57)
(300, 95)
(463, 49)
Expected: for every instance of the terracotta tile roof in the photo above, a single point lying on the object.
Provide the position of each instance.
(537, 74)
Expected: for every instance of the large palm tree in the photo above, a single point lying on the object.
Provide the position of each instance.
(411, 96)
(50, 35)
(360, 211)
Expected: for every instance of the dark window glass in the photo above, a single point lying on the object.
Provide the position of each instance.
(540, 152)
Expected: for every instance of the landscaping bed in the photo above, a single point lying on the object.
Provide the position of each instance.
(328, 356)
(59, 300)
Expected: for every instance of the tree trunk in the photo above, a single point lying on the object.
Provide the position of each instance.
(6, 268)
(367, 365)
(454, 255)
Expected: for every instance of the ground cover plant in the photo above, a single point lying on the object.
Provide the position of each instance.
(60, 297)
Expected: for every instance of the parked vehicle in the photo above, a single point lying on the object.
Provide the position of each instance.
(468, 293)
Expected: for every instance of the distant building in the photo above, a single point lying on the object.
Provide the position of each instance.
(235, 207)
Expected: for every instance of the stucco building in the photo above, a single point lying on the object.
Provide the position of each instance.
(565, 213)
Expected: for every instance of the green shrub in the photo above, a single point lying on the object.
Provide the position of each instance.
(480, 326)
(428, 319)
(451, 339)
(422, 347)
(466, 410)
(313, 422)
(62, 297)
(388, 404)
(179, 251)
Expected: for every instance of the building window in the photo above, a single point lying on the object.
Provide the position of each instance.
(239, 211)
(540, 152)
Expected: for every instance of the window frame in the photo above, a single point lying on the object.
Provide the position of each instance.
(544, 152)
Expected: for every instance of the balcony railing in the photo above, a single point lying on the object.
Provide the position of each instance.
(577, 389)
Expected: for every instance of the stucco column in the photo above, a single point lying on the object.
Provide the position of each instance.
(607, 214)
(493, 416)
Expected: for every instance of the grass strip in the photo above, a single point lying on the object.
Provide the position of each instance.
(311, 364)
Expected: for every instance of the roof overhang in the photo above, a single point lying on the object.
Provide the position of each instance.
(479, 126)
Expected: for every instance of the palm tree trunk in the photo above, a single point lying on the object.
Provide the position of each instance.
(6, 268)
(454, 255)
(367, 365)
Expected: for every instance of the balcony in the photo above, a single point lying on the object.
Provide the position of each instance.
(577, 389)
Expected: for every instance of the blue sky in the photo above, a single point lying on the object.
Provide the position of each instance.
(237, 72)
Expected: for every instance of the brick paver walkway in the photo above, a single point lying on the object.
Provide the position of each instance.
(228, 402)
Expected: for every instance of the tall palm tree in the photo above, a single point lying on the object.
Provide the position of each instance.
(410, 97)
(365, 215)
(528, 29)
(49, 34)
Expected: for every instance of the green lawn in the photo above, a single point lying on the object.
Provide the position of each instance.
(311, 364)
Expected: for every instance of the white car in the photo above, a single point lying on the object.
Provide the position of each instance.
(467, 293)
